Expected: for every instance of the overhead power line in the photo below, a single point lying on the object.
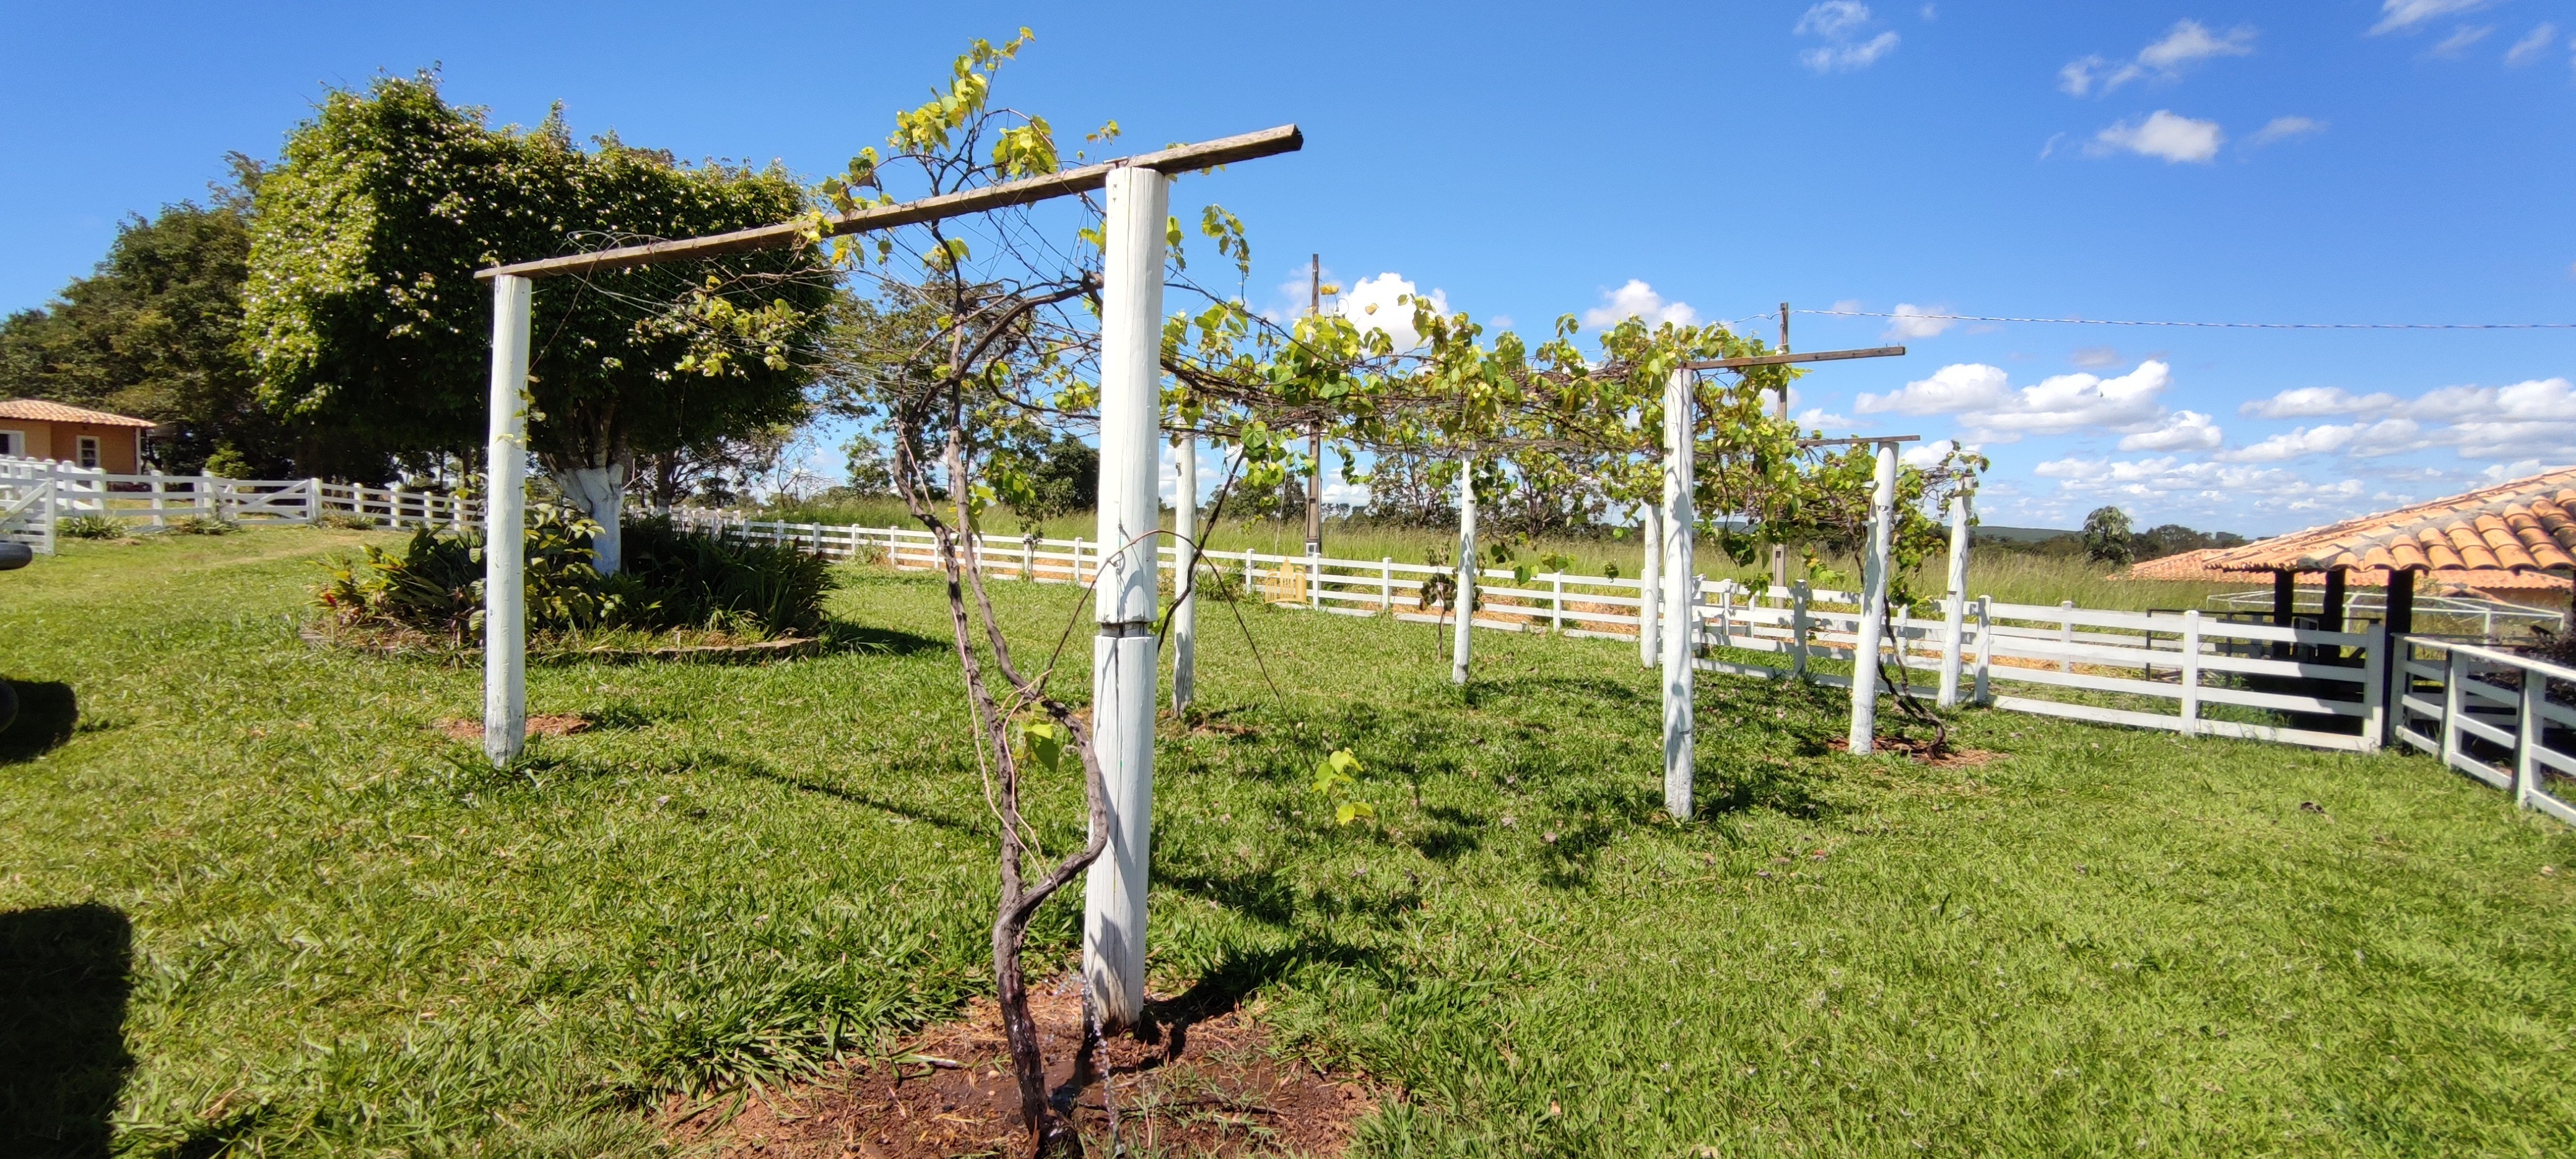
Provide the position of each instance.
(2210, 325)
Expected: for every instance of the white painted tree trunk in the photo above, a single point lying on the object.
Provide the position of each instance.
(1954, 643)
(1466, 603)
(505, 606)
(1650, 589)
(1185, 531)
(1679, 523)
(1873, 608)
(600, 493)
(1123, 672)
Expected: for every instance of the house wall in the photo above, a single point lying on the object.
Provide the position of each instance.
(119, 448)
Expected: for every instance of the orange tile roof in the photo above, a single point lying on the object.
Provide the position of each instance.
(2195, 566)
(39, 411)
(2526, 525)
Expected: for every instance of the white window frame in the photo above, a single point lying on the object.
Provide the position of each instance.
(13, 443)
(87, 452)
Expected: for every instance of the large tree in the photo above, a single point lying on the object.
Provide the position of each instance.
(155, 332)
(365, 318)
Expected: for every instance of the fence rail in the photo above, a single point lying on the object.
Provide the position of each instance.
(36, 495)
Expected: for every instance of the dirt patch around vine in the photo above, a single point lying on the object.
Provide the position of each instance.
(463, 729)
(1945, 757)
(1206, 1086)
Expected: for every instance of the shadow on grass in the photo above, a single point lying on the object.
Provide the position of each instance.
(48, 714)
(65, 973)
(760, 770)
(1241, 973)
(840, 638)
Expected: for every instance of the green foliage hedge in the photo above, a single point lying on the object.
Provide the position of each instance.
(433, 584)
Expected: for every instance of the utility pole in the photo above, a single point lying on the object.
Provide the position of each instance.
(1315, 429)
(1780, 551)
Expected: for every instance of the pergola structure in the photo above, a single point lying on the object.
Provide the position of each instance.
(1668, 574)
(1137, 193)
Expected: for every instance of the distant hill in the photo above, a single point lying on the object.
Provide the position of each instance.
(1990, 533)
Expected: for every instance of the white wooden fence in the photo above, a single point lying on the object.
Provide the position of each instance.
(2491, 715)
(2482, 711)
(36, 495)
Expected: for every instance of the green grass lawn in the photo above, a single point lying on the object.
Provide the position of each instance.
(249, 898)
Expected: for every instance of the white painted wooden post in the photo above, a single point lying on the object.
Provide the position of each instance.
(1386, 584)
(1897, 635)
(159, 516)
(2191, 672)
(1679, 584)
(1799, 628)
(1650, 589)
(505, 638)
(1314, 577)
(2374, 693)
(1725, 613)
(2066, 635)
(2527, 769)
(1248, 576)
(1955, 613)
(2453, 698)
(1863, 737)
(1985, 648)
(1122, 667)
(1459, 645)
(1077, 559)
(1556, 602)
(1185, 534)
(1028, 555)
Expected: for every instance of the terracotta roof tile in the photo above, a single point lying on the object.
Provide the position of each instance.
(39, 411)
(2195, 566)
(2528, 524)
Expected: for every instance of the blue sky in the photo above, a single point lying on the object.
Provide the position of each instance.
(2339, 161)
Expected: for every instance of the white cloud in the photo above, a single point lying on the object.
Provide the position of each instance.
(2508, 472)
(2460, 39)
(1990, 408)
(1914, 321)
(2094, 357)
(2533, 43)
(1839, 23)
(2317, 402)
(2217, 487)
(1371, 305)
(1638, 300)
(2163, 134)
(1818, 418)
(1928, 454)
(2385, 437)
(2187, 430)
(2402, 15)
(2284, 128)
(2187, 42)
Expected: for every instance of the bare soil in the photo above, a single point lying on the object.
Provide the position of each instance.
(460, 728)
(1206, 1084)
(1946, 756)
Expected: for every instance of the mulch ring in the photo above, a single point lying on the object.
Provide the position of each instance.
(470, 730)
(1206, 1087)
(1943, 757)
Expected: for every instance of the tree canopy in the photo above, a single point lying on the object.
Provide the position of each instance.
(364, 317)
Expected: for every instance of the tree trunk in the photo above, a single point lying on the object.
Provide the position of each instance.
(600, 493)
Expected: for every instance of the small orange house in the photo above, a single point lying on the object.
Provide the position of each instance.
(35, 429)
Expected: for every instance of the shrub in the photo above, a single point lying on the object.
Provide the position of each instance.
(345, 521)
(433, 583)
(90, 527)
(202, 525)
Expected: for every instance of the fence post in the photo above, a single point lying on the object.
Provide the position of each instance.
(1650, 589)
(2191, 672)
(1556, 603)
(1896, 636)
(1249, 592)
(46, 505)
(2374, 693)
(1985, 648)
(1955, 611)
(2066, 635)
(313, 500)
(2527, 769)
(2455, 671)
(1680, 536)
(1799, 628)
(505, 606)
(1314, 579)
(1386, 584)
(1725, 613)
(159, 519)
(1077, 560)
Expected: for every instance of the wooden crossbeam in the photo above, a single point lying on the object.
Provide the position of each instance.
(1786, 359)
(1026, 191)
(1859, 440)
